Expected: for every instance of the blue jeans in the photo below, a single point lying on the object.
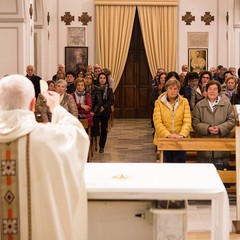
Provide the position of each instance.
(174, 156)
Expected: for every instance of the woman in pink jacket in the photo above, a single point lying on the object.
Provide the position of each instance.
(83, 101)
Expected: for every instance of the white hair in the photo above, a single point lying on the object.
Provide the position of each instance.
(16, 92)
(30, 66)
(61, 81)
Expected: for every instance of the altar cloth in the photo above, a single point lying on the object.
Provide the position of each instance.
(154, 181)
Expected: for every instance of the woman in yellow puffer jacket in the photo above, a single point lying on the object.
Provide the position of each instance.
(172, 118)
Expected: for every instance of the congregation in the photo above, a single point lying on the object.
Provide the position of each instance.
(86, 95)
(190, 101)
(202, 103)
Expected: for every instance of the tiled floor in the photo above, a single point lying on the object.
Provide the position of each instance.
(130, 140)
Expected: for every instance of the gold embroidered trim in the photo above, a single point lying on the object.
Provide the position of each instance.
(9, 192)
(29, 189)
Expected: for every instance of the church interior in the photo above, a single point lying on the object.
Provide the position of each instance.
(133, 39)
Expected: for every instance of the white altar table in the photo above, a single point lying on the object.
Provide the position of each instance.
(154, 181)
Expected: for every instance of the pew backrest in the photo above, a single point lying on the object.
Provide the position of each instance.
(194, 144)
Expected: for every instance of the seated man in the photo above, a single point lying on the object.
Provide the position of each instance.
(42, 191)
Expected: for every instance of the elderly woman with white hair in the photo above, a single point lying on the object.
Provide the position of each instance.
(66, 100)
(213, 117)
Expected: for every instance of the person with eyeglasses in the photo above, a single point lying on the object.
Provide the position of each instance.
(198, 95)
(213, 117)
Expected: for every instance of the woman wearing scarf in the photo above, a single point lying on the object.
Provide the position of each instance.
(105, 110)
(83, 101)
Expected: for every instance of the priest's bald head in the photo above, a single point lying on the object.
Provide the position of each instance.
(16, 92)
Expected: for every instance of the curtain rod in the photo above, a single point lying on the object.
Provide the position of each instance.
(137, 2)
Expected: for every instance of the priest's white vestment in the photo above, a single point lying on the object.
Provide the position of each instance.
(50, 197)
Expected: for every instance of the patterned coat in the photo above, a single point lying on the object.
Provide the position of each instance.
(69, 104)
(42, 109)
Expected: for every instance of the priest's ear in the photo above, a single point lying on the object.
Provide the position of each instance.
(32, 104)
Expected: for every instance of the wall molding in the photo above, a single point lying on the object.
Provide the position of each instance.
(12, 20)
(236, 13)
(137, 2)
(38, 14)
(12, 64)
(12, 9)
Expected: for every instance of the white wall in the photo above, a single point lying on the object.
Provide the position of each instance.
(218, 52)
(236, 29)
(16, 43)
(55, 35)
(220, 49)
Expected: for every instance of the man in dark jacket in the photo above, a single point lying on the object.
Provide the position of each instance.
(34, 79)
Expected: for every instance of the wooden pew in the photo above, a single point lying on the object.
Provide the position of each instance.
(201, 144)
(84, 122)
(194, 144)
(229, 177)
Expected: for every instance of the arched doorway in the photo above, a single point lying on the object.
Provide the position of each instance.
(132, 93)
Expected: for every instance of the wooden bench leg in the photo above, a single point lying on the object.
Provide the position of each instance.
(160, 156)
(90, 153)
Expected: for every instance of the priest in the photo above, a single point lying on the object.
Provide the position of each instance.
(42, 190)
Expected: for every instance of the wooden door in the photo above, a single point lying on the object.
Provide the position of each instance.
(132, 93)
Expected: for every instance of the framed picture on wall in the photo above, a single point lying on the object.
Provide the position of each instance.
(76, 59)
(76, 36)
(198, 59)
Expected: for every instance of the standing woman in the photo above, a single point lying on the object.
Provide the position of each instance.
(157, 89)
(197, 94)
(83, 101)
(172, 119)
(51, 85)
(235, 99)
(213, 118)
(205, 77)
(96, 98)
(60, 74)
(66, 100)
(105, 110)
